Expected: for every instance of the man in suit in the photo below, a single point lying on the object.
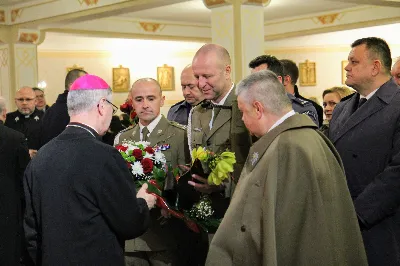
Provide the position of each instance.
(365, 130)
(158, 245)
(290, 76)
(56, 117)
(291, 205)
(396, 71)
(14, 157)
(81, 201)
(26, 119)
(179, 112)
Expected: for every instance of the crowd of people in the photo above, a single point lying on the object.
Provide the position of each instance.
(304, 190)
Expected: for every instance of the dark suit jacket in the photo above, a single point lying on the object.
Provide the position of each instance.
(55, 119)
(81, 202)
(14, 157)
(368, 141)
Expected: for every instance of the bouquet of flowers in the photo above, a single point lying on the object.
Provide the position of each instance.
(147, 164)
(218, 167)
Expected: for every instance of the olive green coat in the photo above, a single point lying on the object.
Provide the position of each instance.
(159, 237)
(291, 205)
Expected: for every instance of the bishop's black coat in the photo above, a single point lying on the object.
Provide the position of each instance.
(81, 202)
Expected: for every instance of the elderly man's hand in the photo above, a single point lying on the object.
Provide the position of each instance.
(204, 187)
(150, 199)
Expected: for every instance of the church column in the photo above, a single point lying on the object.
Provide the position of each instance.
(238, 25)
(18, 61)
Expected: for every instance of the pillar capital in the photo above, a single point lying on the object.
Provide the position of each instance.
(218, 3)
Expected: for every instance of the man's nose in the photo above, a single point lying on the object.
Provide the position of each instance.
(202, 82)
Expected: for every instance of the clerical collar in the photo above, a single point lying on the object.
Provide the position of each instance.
(88, 128)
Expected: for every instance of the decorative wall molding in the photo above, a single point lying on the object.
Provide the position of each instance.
(16, 14)
(151, 27)
(328, 19)
(2, 16)
(88, 2)
(215, 3)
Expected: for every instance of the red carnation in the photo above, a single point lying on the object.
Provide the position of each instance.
(121, 148)
(129, 165)
(133, 115)
(149, 150)
(147, 165)
(138, 154)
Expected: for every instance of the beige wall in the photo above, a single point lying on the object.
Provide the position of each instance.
(142, 62)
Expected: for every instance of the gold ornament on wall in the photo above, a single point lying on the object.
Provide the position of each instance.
(121, 79)
(308, 72)
(2, 16)
(165, 77)
(344, 64)
(74, 67)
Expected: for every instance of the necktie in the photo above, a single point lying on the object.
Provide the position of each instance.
(145, 132)
(361, 102)
(216, 112)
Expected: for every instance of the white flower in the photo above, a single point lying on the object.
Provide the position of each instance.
(148, 155)
(137, 169)
(159, 157)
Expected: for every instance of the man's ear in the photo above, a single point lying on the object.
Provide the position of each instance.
(258, 109)
(287, 80)
(377, 66)
(228, 71)
(162, 100)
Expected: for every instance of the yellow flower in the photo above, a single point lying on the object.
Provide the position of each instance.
(200, 153)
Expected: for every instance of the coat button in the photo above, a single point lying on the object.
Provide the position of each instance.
(243, 228)
(355, 156)
(208, 142)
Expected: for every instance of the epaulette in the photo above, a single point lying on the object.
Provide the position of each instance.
(178, 103)
(176, 124)
(126, 129)
(301, 101)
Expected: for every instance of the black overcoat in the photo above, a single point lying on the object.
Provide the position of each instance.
(368, 141)
(14, 158)
(81, 202)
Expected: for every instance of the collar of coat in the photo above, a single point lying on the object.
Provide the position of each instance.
(157, 135)
(261, 146)
(347, 118)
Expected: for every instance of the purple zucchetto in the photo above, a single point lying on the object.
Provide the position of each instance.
(89, 82)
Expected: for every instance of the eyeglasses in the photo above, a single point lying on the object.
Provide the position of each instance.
(115, 108)
(21, 100)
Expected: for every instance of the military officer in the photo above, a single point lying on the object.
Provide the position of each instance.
(179, 112)
(26, 119)
(270, 62)
(217, 123)
(157, 246)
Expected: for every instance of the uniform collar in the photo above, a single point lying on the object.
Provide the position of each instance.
(152, 124)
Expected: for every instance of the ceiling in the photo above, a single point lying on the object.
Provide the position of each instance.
(15, 2)
(194, 11)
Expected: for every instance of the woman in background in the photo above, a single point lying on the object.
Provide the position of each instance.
(331, 97)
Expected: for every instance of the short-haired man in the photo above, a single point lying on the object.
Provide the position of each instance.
(291, 205)
(57, 118)
(270, 62)
(158, 245)
(81, 201)
(365, 130)
(14, 157)
(179, 112)
(26, 119)
(40, 100)
(291, 75)
(216, 124)
(396, 71)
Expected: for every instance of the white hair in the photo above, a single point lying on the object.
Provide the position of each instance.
(80, 101)
(265, 87)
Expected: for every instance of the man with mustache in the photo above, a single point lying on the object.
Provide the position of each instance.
(158, 245)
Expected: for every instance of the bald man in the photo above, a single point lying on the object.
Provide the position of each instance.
(396, 72)
(159, 245)
(26, 119)
(217, 123)
(179, 112)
